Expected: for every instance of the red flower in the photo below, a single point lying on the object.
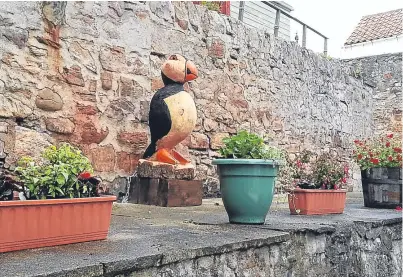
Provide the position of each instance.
(397, 149)
(374, 161)
(390, 136)
(356, 141)
(388, 144)
(346, 169)
(390, 159)
(336, 187)
(359, 157)
(399, 158)
(370, 154)
(344, 180)
(398, 208)
(84, 175)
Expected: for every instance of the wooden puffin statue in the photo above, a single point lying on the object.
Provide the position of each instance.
(172, 115)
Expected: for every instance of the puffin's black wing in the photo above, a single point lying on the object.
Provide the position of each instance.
(159, 116)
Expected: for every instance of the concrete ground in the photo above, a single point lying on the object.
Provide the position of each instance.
(142, 236)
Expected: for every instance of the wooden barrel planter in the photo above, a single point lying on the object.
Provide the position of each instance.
(382, 187)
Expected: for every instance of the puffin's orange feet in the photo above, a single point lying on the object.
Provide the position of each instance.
(179, 158)
(164, 156)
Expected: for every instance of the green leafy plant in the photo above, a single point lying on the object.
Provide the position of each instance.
(381, 151)
(211, 5)
(329, 58)
(245, 145)
(356, 72)
(66, 173)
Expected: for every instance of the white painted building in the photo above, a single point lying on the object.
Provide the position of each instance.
(375, 34)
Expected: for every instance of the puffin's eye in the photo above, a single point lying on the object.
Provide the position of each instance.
(173, 57)
(188, 71)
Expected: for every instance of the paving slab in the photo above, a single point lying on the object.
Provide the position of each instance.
(143, 236)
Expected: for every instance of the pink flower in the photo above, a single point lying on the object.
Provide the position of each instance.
(398, 208)
(344, 180)
(390, 136)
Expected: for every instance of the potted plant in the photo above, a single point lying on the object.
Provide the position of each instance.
(380, 161)
(59, 203)
(247, 172)
(317, 185)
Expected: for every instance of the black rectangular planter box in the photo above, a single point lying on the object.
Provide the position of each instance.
(382, 187)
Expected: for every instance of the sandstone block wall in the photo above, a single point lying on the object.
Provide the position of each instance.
(84, 72)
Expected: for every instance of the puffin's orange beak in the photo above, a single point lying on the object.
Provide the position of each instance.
(191, 71)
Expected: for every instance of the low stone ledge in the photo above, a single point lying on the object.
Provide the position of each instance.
(198, 241)
(130, 265)
(189, 254)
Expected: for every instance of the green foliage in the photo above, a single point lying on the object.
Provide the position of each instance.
(327, 57)
(245, 145)
(58, 176)
(212, 5)
(356, 72)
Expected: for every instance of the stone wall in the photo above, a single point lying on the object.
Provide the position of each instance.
(84, 72)
(361, 250)
(384, 74)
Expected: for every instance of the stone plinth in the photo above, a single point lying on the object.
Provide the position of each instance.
(165, 185)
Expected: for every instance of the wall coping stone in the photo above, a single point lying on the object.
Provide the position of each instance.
(143, 237)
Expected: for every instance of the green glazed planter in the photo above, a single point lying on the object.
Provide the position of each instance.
(247, 188)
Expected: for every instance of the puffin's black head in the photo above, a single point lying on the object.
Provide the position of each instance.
(178, 70)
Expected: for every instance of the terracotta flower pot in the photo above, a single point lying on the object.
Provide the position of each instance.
(40, 223)
(316, 201)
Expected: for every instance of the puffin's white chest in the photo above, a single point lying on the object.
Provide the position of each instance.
(183, 114)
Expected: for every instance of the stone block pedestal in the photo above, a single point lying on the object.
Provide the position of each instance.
(165, 185)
